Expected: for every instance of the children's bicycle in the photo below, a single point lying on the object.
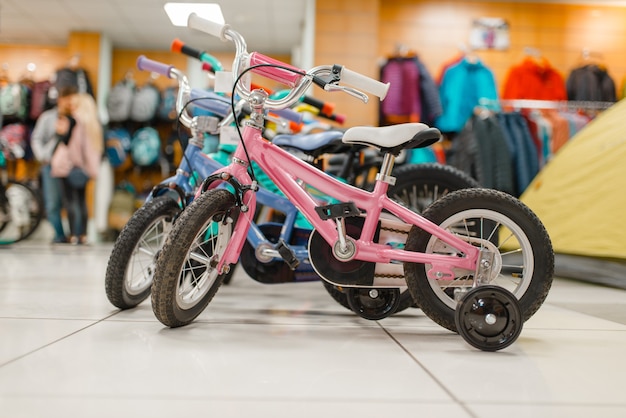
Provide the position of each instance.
(21, 206)
(131, 264)
(459, 257)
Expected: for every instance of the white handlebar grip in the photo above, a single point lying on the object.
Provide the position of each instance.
(207, 26)
(363, 82)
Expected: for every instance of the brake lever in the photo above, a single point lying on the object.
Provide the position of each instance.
(349, 90)
(278, 121)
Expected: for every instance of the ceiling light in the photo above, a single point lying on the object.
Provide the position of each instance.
(179, 12)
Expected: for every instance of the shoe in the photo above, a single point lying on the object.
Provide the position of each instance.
(62, 240)
(74, 240)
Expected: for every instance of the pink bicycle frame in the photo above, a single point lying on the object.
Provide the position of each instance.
(285, 170)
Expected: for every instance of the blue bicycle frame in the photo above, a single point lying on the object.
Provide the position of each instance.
(196, 166)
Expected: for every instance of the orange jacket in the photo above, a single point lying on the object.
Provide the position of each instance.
(534, 80)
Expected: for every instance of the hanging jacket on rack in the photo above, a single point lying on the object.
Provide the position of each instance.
(560, 129)
(462, 87)
(592, 83)
(402, 103)
(429, 94)
(533, 79)
(412, 95)
(538, 135)
(481, 150)
(524, 156)
(446, 66)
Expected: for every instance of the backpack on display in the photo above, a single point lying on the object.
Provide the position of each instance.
(39, 99)
(117, 146)
(167, 107)
(14, 137)
(120, 100)
(75, 78)
(14, 100)
(122, 206)
(145, 146)
(145, 103)
(66, 78)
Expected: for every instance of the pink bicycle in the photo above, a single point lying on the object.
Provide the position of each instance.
(477, 261)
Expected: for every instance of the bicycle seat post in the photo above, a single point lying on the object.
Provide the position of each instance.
(386, 168)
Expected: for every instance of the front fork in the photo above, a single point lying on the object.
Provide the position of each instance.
(245, 205)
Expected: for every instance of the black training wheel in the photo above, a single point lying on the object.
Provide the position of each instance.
(373, 304)
(489, 318)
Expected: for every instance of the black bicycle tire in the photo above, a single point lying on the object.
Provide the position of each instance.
(124, 248)
(38, 213)
(487, 199)
(170, 262)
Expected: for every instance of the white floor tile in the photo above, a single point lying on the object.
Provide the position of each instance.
(232, 407)
(548, 411)
(288, 351)
(22, 336)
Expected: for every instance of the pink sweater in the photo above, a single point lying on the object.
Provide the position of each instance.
(78, 153)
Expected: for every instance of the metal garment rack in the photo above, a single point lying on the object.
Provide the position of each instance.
(545, 104)
(559, 105)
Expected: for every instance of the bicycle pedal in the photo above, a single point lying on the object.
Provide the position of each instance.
(287, 254)
(337, 210)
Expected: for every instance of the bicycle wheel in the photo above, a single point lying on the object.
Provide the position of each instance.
(419, 185)
(131, 264)
(523, 257)
(21, 211)
(185, 279)
(370, 306)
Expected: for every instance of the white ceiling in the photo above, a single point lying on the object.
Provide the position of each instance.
(271, 26)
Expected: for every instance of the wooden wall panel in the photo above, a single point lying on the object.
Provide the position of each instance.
(436, 29)
(86, 45)
(124, 62)
(47, 60)
(346, 33)
(359, 33)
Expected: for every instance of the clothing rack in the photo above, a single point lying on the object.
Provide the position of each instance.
(546, 104)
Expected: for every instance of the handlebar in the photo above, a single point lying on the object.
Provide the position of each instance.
(326, 76)
(210, 101)
(146, 64)
(207, 26)
(325, 108)
(210, 64)
(206, 100)
(207, 65)
(203, 56)
(213, 103)
(363, 82)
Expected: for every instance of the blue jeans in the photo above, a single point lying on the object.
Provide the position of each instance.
(76, 205)
(53, 198)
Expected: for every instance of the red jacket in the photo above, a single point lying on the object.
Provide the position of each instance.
(534, 80)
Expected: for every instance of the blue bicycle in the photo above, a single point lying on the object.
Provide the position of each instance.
(276, 249)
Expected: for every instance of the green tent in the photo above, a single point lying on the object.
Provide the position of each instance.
(580, 194)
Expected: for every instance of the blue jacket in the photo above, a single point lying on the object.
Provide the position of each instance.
(462, 85)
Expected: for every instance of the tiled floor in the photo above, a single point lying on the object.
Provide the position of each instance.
(288, 351)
